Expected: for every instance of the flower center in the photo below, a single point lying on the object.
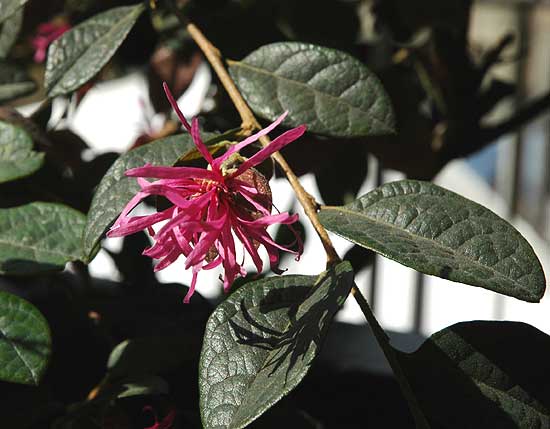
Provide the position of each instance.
(207, 185)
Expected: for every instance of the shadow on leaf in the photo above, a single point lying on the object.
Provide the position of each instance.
(308, 315)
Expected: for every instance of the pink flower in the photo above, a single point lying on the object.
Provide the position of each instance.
(211, 207)
(45, 35)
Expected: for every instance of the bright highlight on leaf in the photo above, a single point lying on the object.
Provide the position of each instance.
(438, 232)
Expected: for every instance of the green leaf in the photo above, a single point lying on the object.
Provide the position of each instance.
(9, 7)
(39, 237)
(17, 159)
(491, 374)
(438, 232)
(115, 189)
(329, 90)
(14, 81)
(10, 32)
(25, 343)
(80, 53)
(260, 342)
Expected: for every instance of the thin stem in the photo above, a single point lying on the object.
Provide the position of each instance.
(213, 56)
(391, 356)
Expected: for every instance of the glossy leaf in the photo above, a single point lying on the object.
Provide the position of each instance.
(17, 159)
(14, 81)
(493, 374)
(9, 32)
(260, 342)
(80, 53)
(115, 189)
(329, 90)
(25, 343)
(438, 232)
(9, 7)
(39, 237)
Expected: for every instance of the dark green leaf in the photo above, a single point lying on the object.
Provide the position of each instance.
(80, 53)
(491, 374)
(115, 189)
(9, 32)
(25, 343)
(438, 232)
(14, 81)
(329, 90)
(17, 159)
(260, 342)
(9, 7)
(39, 237)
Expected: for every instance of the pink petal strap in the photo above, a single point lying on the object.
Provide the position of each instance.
(191, 290)
(277, 144)
(195, 133)
(175, 106)
(161, 172)
(237, 147)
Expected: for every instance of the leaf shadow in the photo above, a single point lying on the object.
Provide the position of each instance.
(308, 311)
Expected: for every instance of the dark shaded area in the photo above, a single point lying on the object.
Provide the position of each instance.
(467, 356)
(87, 321)
(310, 312)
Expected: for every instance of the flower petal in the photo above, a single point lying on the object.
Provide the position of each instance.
(161, 172)
(277, 144)
(131, 225)
(175, 106)
(195, 133)
(237, 147)
(241, 235)
(168, 260)
(191, 290)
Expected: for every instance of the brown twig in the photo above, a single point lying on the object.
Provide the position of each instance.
(391, 356)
